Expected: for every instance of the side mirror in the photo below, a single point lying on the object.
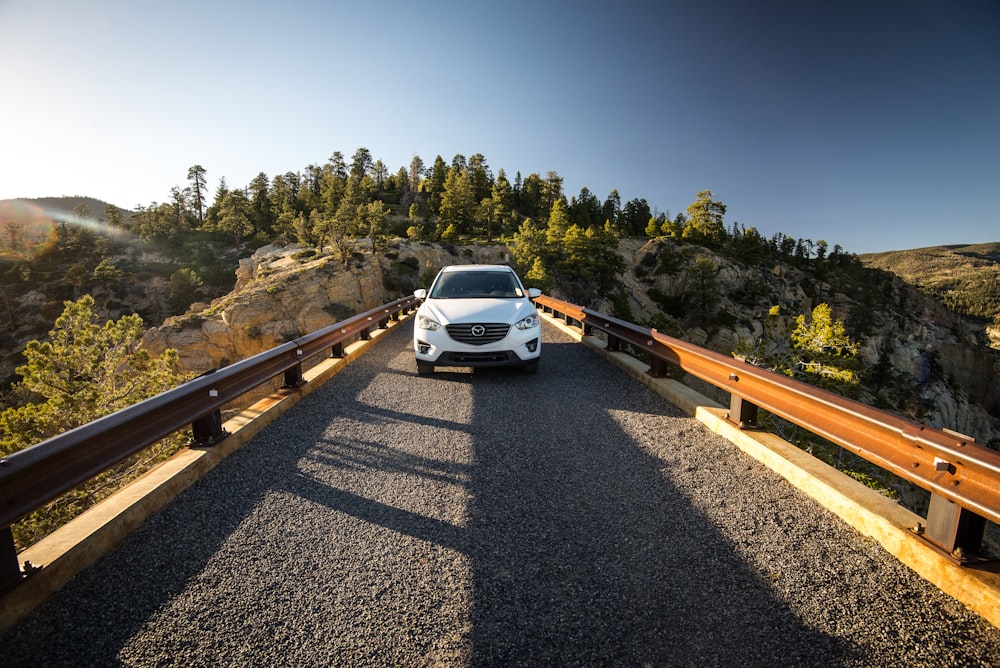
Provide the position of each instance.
(534, 292)
(420, 294)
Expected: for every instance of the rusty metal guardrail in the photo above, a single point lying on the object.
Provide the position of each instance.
(962, 476)
(36, 475)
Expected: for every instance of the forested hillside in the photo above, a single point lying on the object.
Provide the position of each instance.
(964, 278)
(157, 260)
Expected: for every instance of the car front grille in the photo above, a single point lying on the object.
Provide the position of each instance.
(478, 334)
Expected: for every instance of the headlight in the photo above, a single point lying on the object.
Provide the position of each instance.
(423, 322)
(529, 322)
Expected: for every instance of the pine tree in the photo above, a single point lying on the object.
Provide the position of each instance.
(704, 220)
(84, 371)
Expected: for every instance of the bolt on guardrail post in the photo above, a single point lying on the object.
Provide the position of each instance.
(208, 430)
(10, 571)
(955, 530)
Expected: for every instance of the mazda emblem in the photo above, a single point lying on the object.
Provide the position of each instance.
(478, 330)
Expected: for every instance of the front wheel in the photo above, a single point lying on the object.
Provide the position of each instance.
(424, 368)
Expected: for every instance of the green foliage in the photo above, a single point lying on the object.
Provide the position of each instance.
(817, 349)
(704, 221)
(84, 371)
(671, 305)
(185, 288)
(402, 277)
(538, 277)
(107, 272)
(458, 203)
(824, 348)
(702, 292)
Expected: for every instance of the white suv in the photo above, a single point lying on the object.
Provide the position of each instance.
(477, 315)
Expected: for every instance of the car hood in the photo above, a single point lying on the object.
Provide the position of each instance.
(448, 311)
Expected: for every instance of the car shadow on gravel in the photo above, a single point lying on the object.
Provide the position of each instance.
(584, 553)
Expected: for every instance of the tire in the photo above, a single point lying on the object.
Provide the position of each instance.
(424, 368)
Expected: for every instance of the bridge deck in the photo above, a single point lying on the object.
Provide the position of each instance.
(495, 518)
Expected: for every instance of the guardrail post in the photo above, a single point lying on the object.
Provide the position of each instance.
(338, 350)
(293, 377)
(208, 430)
(10, 571)
(657, 367)
(957, 531)
(614, 344)
(742, 412)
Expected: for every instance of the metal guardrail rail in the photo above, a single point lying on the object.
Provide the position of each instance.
(32, 477)
(962, 476)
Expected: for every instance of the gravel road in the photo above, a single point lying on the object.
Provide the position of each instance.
(495, 518)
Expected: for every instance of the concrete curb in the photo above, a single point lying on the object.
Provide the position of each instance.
(97, 532)
(862, 508)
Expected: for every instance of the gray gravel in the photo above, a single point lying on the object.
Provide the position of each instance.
(496, 518)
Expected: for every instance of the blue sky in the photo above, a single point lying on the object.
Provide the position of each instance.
(874, 125)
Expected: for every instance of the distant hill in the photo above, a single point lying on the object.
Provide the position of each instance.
(67, 204)
(965, 278)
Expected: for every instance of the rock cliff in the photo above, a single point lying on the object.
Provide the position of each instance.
(932, 355)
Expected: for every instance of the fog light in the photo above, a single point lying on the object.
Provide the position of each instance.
(532, 345)
(424, 348)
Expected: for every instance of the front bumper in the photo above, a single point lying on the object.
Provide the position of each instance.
(516, 349)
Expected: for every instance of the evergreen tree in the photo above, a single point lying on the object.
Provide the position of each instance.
(612, 207)
(434, 185)
(83, 372)
(199, 190)
(527, 245)
(634, 217)
(457, 201)
(235, 216)
(333, 183)
(262, 216)
(703, 289)
(557, 228)
(480, 177)
(415, 176)
(374, 217)
(704, 220)
(585, 210)
(361, 164)
(185, 288)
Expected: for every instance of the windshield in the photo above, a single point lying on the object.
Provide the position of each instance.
(476, 285)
